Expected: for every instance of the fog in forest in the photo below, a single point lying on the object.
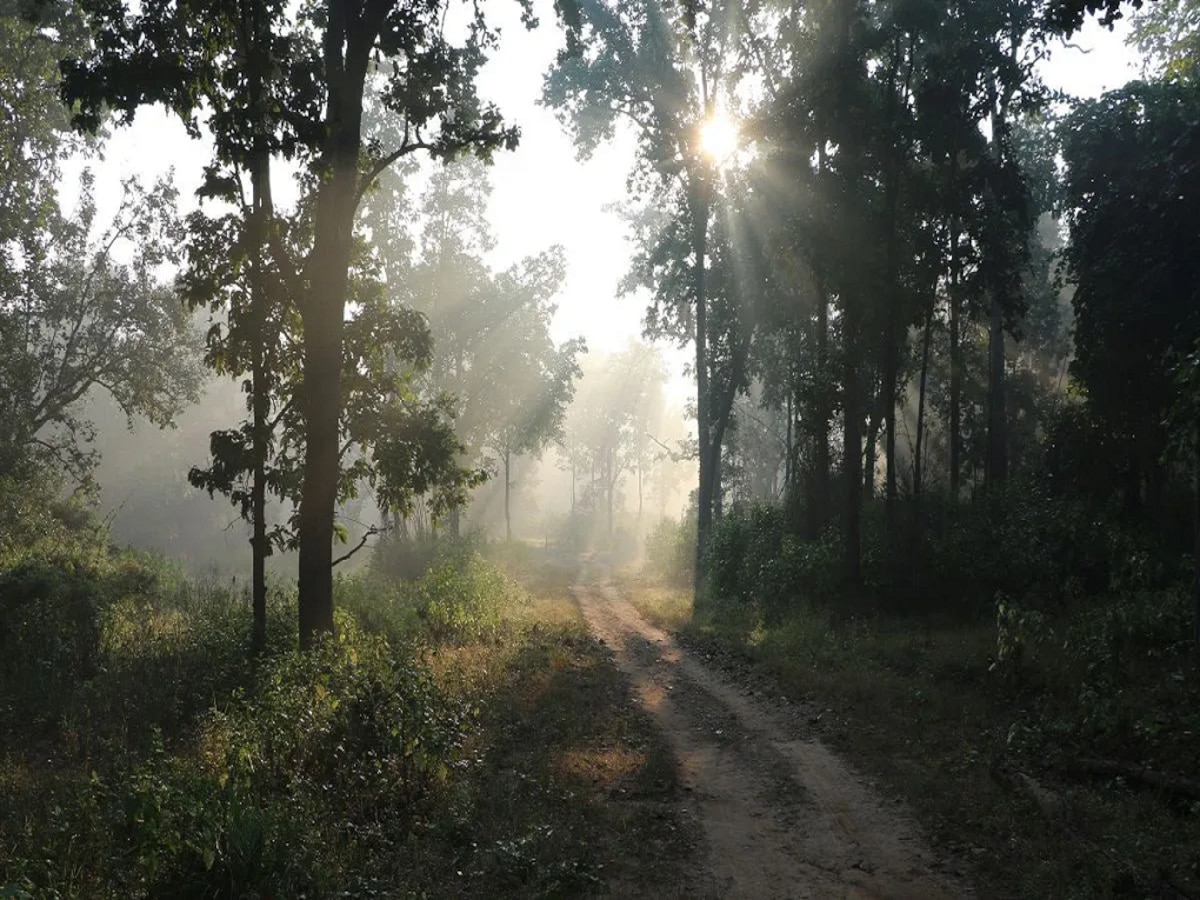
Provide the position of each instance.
(578, 448)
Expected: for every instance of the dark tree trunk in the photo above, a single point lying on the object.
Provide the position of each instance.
(787, 450)
(996, 472)
(821, 499)
(323, 312)
(956, 373)
(919, 449)
(852, 470)
(1196, 542)
(871, 451)
(322, 401)
(258, 487)
(700, 202)
(891, 338)
(260, 187)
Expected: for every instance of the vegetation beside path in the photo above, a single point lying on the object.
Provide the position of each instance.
(1049, 749)
(462, 737)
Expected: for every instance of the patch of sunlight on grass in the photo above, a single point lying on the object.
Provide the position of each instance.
(666, 607)
(553, 610)
(605, 767)
(16, 776)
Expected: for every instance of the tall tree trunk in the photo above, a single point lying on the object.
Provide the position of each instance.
(639, 519)
(787, 448)
(323, 312)
(610, 485)
(919, 449)
(507, 487)
(871, 455)
(956, 373)
(258, 486)
(891, 336)
(996, 472)
(262, 210)
(322, 402)
(852, 461)
(700, 202)
(821, 500)
(1196, 540)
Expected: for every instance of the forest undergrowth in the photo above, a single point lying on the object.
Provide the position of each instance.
(1035, 697)
(461, 736)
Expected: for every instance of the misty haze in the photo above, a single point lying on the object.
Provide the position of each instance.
(599, 448)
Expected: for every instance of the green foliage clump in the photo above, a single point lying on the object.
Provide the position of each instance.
(302, 780)
(1040, 551)
(671, 550)
(461, 597)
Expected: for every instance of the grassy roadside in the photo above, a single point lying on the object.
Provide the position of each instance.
(979, 749)
(463, 737)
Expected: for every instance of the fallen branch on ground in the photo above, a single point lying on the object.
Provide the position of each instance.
(1134, 774)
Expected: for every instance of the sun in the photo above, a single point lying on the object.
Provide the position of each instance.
(718, 137)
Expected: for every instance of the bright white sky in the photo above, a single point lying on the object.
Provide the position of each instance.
(543, 195)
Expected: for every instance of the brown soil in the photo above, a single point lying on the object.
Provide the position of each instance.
(782, 817)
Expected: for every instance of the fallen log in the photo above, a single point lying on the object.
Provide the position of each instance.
(1134, 774)
(1051, 804)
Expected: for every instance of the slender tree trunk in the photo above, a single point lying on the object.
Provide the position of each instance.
(996, 472)
(1196, 542)
(610, 481)
(822, 492)
(871, 456)
(787, 450)
(919, 451)
(639, 497)
(323, 312)
(258, 487)
(891, 336)
(700, 204)
(852, 460)
(996, 468)
(507, 487)
(260, 187)
(956, 373)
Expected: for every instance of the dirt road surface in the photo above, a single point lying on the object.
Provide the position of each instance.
(782, 817)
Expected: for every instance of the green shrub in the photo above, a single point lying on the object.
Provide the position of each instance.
(461, 598)
(302, 782)
(671, 550)
(405, 558)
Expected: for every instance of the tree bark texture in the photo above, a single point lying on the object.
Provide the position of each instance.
(323, 311)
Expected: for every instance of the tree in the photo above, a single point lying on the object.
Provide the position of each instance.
(1067, 16)
(538, 378)
(1133, 256)
(1167, 35)
(607, 433)
(661, 69)
(324, 58)
(81, 306)
(510, 382)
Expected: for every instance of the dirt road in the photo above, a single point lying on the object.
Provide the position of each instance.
(781, 815)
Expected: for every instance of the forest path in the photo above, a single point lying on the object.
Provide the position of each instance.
(782, 816)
